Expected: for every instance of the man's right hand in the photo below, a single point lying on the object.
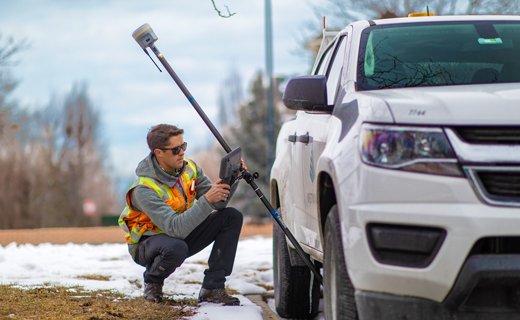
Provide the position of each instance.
(218, 192)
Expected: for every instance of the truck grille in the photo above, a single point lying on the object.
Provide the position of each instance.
(489, 134)
(498, 185)
(501, 184)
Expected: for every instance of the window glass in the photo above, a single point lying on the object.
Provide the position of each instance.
(439, 54)
(335, 71)
(324, 61)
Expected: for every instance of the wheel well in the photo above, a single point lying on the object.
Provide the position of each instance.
(275, 196)
(326, 197)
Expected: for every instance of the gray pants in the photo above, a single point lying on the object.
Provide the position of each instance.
(162, 254)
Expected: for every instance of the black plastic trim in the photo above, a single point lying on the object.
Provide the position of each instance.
(406, 246)
(485, 278)
(385, 306)
(488, 287)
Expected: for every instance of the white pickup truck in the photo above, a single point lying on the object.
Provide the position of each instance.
(400, 174)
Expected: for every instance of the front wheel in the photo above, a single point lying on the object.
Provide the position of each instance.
(338, 292)
(296, 290)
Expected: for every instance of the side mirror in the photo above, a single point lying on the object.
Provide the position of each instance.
(307, 93)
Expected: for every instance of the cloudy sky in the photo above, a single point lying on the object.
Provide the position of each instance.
(90, 41)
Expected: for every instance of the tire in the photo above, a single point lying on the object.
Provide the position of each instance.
(338, 292)
(293, 298)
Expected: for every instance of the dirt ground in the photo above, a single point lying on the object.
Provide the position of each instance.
(97, 235)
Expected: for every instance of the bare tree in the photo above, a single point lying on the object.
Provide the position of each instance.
(11, 186)
(46, 179)
(50, 160)
(9, 47)
(75, 154)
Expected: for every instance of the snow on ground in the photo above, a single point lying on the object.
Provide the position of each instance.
(30, 265)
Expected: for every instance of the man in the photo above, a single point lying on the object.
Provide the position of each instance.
(164, 224)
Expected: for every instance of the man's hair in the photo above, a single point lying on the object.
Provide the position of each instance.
(159, 135)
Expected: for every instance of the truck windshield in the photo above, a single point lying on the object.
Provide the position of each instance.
(439, 54)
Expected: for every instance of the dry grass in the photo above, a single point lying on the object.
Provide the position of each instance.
(231, 291)
(75, 303)
(265, 286)
(136, 283)
(94, 277)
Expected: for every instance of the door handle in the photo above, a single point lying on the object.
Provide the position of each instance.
(305, 138)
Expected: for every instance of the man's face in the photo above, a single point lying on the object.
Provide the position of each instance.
(166, 158)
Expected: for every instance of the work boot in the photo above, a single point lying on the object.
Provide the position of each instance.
(153, 292)
(218, 295)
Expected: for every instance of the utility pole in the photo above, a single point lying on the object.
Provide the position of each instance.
(269, 71)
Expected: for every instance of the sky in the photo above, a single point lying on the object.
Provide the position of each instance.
(90, 42)
(30, 266)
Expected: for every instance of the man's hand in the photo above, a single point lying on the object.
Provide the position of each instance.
(243, 166)
(219, 191)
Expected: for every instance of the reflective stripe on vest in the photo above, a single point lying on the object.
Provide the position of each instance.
(180, 198)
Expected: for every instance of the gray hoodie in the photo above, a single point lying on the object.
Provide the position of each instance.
(145, 199)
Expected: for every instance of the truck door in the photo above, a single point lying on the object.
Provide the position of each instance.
(312, 132)
(298, 138)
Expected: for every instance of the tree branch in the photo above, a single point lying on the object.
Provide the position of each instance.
(220, 13)
(10, 48)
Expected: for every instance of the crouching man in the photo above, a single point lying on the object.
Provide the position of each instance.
(164, 225)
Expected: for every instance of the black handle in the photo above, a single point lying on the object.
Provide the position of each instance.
(305, 138)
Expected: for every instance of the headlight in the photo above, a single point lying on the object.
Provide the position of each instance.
(408, 148)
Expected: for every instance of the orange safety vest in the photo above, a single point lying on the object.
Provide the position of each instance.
(180, 197)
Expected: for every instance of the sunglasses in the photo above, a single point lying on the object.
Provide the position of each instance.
(177, 149)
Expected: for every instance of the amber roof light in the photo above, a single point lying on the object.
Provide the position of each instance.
(421, 14)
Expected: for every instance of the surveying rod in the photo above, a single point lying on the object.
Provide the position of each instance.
(145, 37)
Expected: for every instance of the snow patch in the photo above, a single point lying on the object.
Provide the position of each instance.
(33, 266)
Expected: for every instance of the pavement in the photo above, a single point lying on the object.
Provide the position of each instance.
(261, 300)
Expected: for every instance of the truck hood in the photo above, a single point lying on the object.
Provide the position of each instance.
(485, 104)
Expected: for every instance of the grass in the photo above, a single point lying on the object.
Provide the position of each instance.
(265, 286)
(231, 291)
(94, 277)
(136, 283)
(57, 302)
